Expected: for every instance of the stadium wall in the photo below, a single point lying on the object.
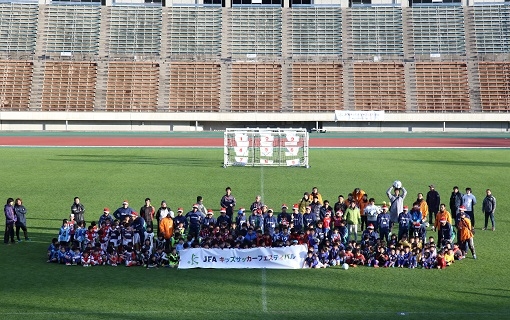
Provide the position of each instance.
(164, 122)
(295, 69)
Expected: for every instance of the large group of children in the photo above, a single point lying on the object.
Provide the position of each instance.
(129, 239)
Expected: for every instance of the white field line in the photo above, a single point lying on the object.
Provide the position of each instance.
(264, 290)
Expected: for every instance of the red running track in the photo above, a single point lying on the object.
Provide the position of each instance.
(105, 141)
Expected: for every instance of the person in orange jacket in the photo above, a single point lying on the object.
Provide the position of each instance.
(442, 213)
(424, 208)
(166, 227)
(357, 196)
(466, 234)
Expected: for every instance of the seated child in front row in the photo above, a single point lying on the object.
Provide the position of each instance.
(53, 250)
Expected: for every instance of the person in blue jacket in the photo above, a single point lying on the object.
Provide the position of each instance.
(194, 220)
(10, 220)
(417, 226)
(404, 222)
(270, 222)
(384, 223)
(124, 212)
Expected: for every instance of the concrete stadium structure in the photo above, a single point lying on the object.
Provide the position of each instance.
(324, 65)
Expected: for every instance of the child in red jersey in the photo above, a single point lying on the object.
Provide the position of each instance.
(85, 259)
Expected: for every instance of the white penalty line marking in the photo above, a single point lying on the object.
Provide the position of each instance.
(264, 290)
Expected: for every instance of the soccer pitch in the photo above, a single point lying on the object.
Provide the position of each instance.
(47, 179)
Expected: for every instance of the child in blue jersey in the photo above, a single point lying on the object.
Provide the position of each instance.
(64, 235)
(76, 257)
(324, 256)
(413, 260)
(115, 235)
(63, 257)
(427, 262)
(79, 235)
(311, 261)
(53, 250)
(392, 259)
(401, 260)
(334, 255)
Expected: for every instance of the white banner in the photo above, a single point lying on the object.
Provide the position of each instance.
(293, 162)
(292, 137)
(241, 151)
(241, 137)
(266, 140)
(341, 115)
(256, 258)
(241, 160)
(292, 151)
(266, 151)
(266, 161)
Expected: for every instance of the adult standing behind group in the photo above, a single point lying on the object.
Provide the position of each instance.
(455, 201)
(469, 201)
(162, 212)
(433, 201)
(489, 208)
(10, 220)
(125, 211)
(147, 212)
(228, 201)
(21, 220)
(396, 203)
(78, 209)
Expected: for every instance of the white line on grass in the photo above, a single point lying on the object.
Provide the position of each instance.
(262, 183)
(264, 291)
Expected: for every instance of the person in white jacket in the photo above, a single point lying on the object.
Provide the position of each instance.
(396, 202)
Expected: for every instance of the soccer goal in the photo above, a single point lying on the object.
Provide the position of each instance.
(266, 147)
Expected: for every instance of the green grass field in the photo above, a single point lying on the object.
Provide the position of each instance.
(49, 178)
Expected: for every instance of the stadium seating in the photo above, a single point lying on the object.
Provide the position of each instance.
(438, 30)
(442, 87)
(316, 30)
(317, 87)
(132, 86)
(195, 31)
(491, 28)
(495, 86)
(69, 86)
(15, 83)
(376, 30)
(256, 87)
(195, 87)
(18, 27)
(256, 31)
(379, 86)
(72, 28)
(134, 30)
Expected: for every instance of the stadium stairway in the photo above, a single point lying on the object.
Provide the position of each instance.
(472, 63)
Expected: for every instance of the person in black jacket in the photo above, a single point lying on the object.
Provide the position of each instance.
(78, 210)
(433, 201)
(455, 201)
(488, 208)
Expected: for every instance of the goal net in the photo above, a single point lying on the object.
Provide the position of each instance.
(266, 147)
